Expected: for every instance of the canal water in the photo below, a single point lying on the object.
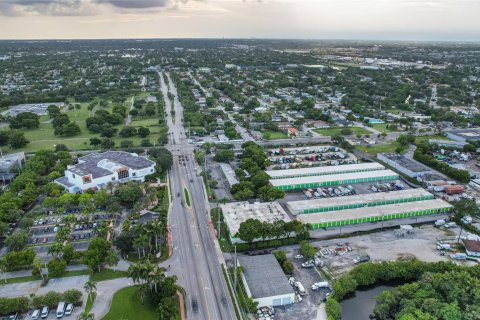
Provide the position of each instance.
(360, 306)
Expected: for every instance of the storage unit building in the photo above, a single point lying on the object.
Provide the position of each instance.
(374, 214)
(333, 180)
(265, 282)
(358, 201)
(320, 171)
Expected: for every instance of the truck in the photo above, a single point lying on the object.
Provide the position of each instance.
(319, 285)
(300, 288)
(361, 259)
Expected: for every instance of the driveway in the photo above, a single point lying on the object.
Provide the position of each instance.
(105, 292)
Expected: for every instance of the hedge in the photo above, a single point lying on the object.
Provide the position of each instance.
(12, 305)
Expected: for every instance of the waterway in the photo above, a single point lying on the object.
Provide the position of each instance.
(360, 306)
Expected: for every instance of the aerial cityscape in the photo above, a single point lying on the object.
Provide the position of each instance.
(165, 159)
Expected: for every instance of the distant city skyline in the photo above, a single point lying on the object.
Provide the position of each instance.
(417, 20)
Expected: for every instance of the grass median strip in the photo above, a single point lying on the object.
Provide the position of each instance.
(73, 273)
(187, 196)
(108, 274)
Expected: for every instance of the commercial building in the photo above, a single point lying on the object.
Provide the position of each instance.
(229, 174)
(373, 214)
(448, 143)
(96, 170)
(333, 180)
(39, 109)
(320, 171)
(237, 212)
(10, 166)
(406, 166)
(265, 282)
(357, 201)
(464, 135)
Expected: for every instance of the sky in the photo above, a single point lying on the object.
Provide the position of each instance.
(422, 20)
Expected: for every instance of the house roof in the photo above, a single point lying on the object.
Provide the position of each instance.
(472, 245)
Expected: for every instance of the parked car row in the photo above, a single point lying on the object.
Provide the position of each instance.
(63, 309)
(339, 191)
(384, 187)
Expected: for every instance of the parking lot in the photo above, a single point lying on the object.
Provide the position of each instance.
(52, 316)
(309, 306)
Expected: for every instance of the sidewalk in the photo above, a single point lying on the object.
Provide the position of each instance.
(26, 273)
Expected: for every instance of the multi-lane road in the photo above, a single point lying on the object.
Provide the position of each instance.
(196, 259)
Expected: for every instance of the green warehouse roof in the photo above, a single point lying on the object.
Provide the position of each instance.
(297, 206)
(317, 171)
(332, 177)
(366, 212)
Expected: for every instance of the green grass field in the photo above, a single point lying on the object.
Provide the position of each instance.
(426, 138)
(126, 304)
(43, 137)
(382, 127)
(338, 131)
(37, 278)
(108, 274)
(274, 135)
(379, 148)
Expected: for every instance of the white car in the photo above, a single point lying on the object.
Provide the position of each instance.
(35, 314)
(298, 257)
(69, 309)
(55, 229)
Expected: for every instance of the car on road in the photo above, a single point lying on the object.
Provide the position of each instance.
(55, 229)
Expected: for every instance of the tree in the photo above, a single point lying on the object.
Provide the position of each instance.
(465, 207)
(90, 287)
(249, 230)
(124, 242)
(17, 240)
(56, 267)
(37, 267)
(112, 259)
(107, 143)
(96, 253)
(17, 140)
(95, 142)
(287, 267)
(143, 132)
(127, 132)
(346, 131)
(307, 250)
(129, 193)
(72, 296)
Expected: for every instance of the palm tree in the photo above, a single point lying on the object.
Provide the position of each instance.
(90, 287)
(157, 227)
(112, 259)
(37, 264)
(110, 187)
(156, 276)
(138, 272)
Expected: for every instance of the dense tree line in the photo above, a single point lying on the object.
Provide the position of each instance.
(253, 230)
(405, 271)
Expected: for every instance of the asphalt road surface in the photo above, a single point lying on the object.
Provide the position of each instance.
(194, 259)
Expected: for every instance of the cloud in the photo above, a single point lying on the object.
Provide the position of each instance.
(81, 7)
(137, 4)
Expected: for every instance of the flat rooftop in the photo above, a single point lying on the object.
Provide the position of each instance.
(237, 212)
(274, 174)
(264, 276)
(366, 212)
(473, 133)
(405, 162)
(312, 149)
(332, 177)
(229, 173)
(10, 159)
(354, 199)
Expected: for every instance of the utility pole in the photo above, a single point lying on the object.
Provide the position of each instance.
(235, 269)
(219, 236)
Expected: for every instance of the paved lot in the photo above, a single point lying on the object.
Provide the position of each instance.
(57, 285)
(308, 308)
(52, 316)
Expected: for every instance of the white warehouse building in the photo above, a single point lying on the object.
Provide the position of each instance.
(96, 170)
(265, 282)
